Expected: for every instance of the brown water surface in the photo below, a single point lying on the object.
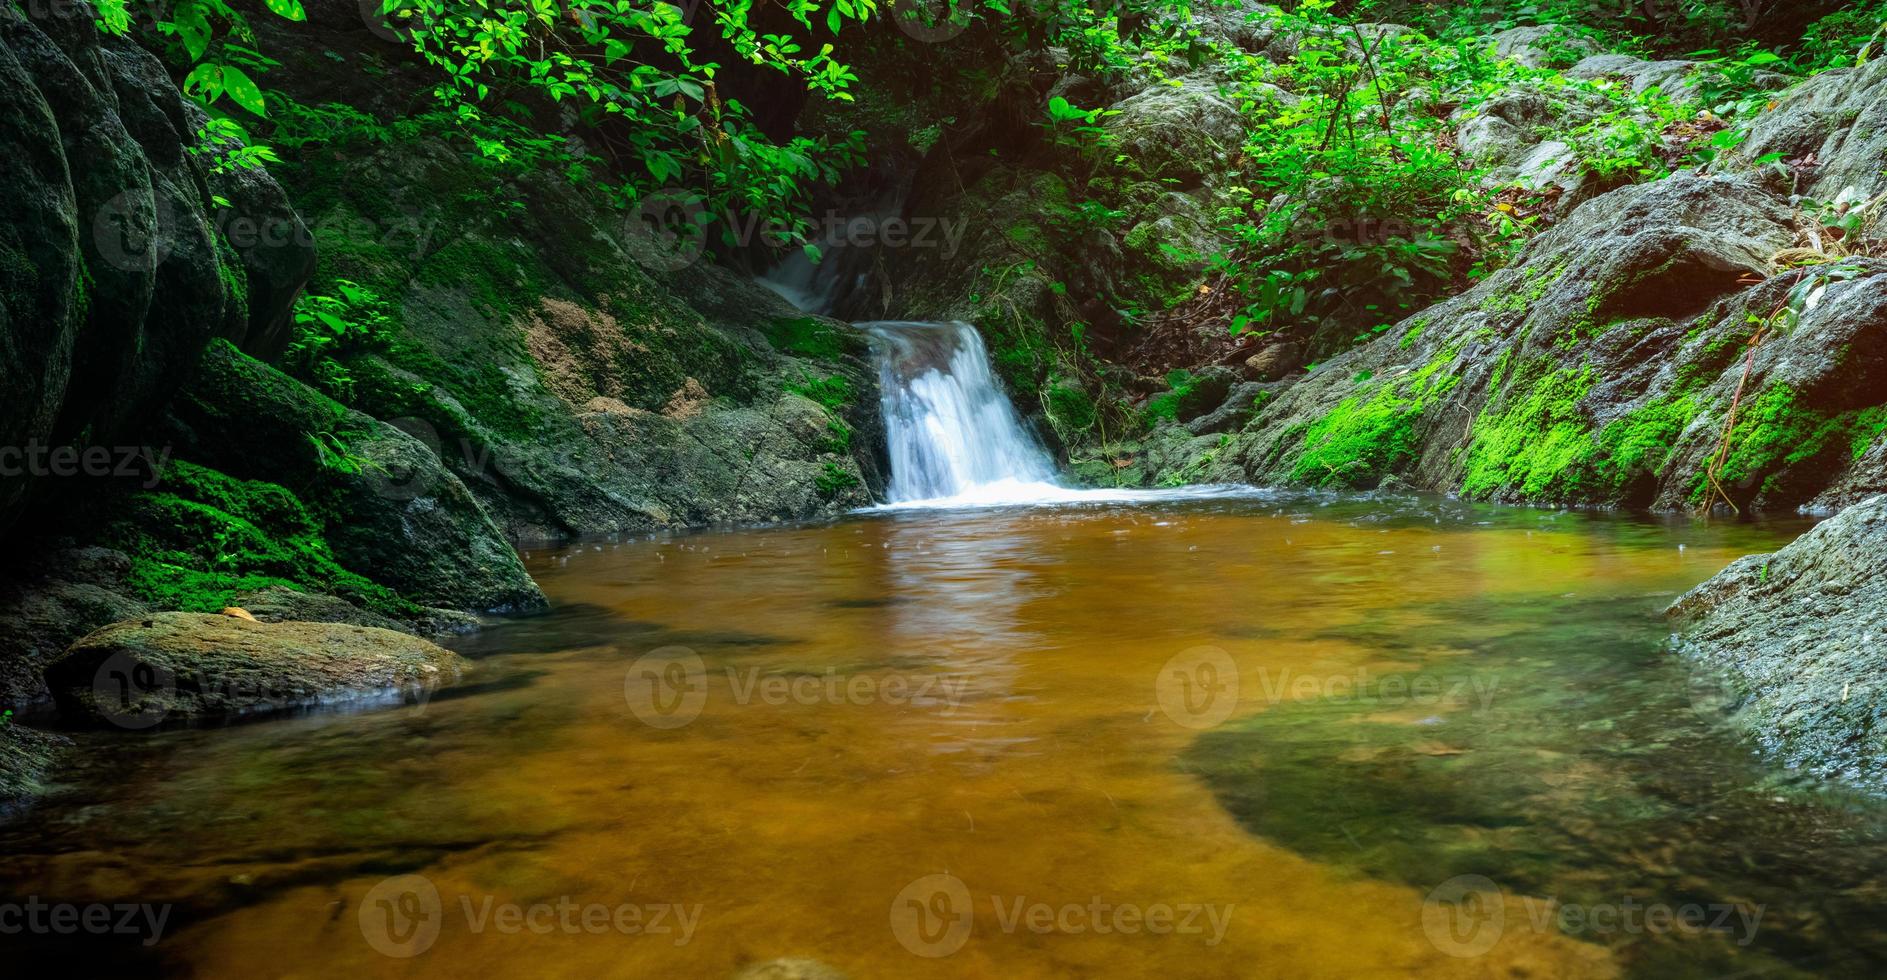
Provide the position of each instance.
(880, 743)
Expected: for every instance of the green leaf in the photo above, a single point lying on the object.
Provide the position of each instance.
(204, 83)
(194, 30)
(244, 90)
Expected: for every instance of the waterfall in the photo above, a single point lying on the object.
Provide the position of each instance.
(952, 433)
(954, 438)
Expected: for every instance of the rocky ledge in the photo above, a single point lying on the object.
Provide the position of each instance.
(1801, 636)
(188, 667)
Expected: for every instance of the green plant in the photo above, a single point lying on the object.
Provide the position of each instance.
(1165, 407)
(834, 479)
(214, 42)
(629, 72)
(636, 74)
(331, 330)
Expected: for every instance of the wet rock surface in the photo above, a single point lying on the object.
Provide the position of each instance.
(185, 667)
(1801, 637)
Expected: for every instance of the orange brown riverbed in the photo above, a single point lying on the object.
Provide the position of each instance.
(1249, 737)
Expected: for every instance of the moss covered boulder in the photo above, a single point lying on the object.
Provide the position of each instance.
(1612, 365)
(383, 504)
(191, 667)
(571, 389)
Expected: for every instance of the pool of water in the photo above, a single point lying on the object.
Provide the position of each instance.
(1206, 738)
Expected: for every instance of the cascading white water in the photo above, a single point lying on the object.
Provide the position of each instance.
(952, 434)
(954, 438)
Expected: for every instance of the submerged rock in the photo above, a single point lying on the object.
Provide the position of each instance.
(26, 755)
(790, 968)
(1801, 636)
(188, 667)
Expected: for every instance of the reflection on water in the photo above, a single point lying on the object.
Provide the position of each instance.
(1230, 738)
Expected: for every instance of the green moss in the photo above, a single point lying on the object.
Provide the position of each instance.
(1070, 409)
(1775, 432)
(805, 337)
(834, 394)
(1642, 441)
(834, 480)
(201, 537)
(1164, 407)
(1370, 434)
(1527, 293)
(1869, 424)
(1532, 443)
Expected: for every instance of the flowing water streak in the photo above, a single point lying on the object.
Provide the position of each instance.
(952, 433)
(955, 439)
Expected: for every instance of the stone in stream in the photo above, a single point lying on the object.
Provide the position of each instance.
(26, 755)
(188, 667)
(1801, 636)
(280, 604)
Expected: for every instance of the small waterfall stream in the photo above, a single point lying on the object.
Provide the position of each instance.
(952, 433)
(954, 438)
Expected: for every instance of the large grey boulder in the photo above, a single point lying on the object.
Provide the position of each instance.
(1600, 369)
(1837, 118)
(1512, 137)
(1800, 639)
(190, 667)
(1543, 46)
(114, 273)
(1184, 131)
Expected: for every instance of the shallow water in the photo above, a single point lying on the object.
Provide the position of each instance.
(1001, 743)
